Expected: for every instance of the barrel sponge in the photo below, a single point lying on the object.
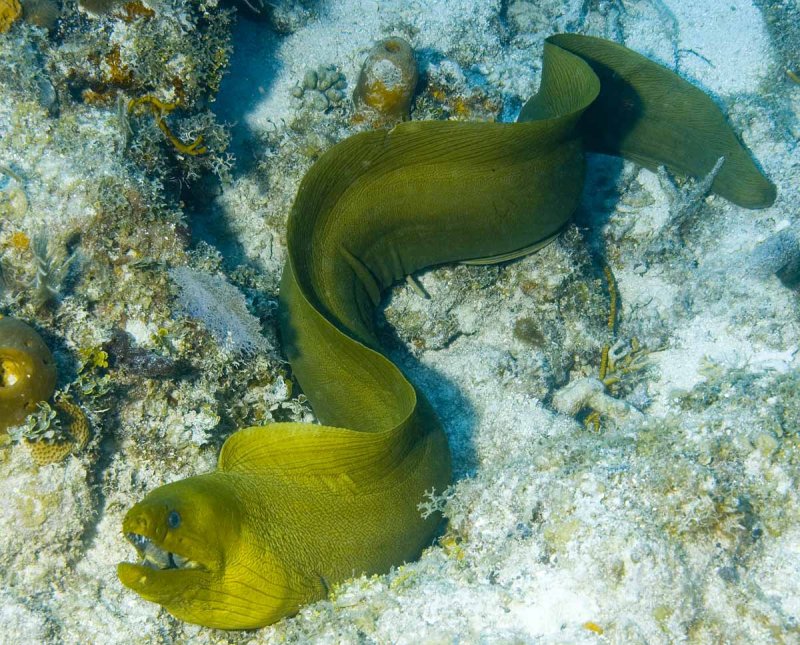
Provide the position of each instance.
(387, 80)
(27, 372)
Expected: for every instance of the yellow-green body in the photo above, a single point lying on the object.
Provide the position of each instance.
(293, 508)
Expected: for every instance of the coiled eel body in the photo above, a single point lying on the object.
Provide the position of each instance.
(293, 508)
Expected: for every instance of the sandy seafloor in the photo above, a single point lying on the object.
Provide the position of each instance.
(677, 519)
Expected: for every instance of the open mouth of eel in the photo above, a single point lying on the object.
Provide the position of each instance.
(154, 557)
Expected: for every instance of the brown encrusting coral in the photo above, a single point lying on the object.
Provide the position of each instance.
(9, 12)
(27, 371)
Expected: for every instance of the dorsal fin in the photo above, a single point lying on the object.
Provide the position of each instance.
(343, 457)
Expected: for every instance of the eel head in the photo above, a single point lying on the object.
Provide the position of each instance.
(196, 558)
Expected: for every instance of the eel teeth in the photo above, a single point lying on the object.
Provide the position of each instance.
(183, 563)
(155, 557)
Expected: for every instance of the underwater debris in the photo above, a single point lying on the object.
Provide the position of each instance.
(27, 371)
(159, 110)
(221, 307)
(685, 203)
(387, 81)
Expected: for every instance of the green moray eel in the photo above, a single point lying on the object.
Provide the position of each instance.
(294, 508)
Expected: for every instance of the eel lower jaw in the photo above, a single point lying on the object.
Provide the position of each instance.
(161, 576)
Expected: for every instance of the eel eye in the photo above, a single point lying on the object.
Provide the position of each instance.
(174, 519)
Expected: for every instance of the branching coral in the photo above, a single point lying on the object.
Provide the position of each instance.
(159, 110)
(616, 360)
(684, 202)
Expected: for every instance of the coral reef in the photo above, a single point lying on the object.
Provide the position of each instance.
(679, 527)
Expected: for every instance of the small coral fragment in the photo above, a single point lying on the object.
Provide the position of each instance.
(387, 80)
(591, 393)
(136, 10)
(97, 7)
(27, 371)
(9, 12)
